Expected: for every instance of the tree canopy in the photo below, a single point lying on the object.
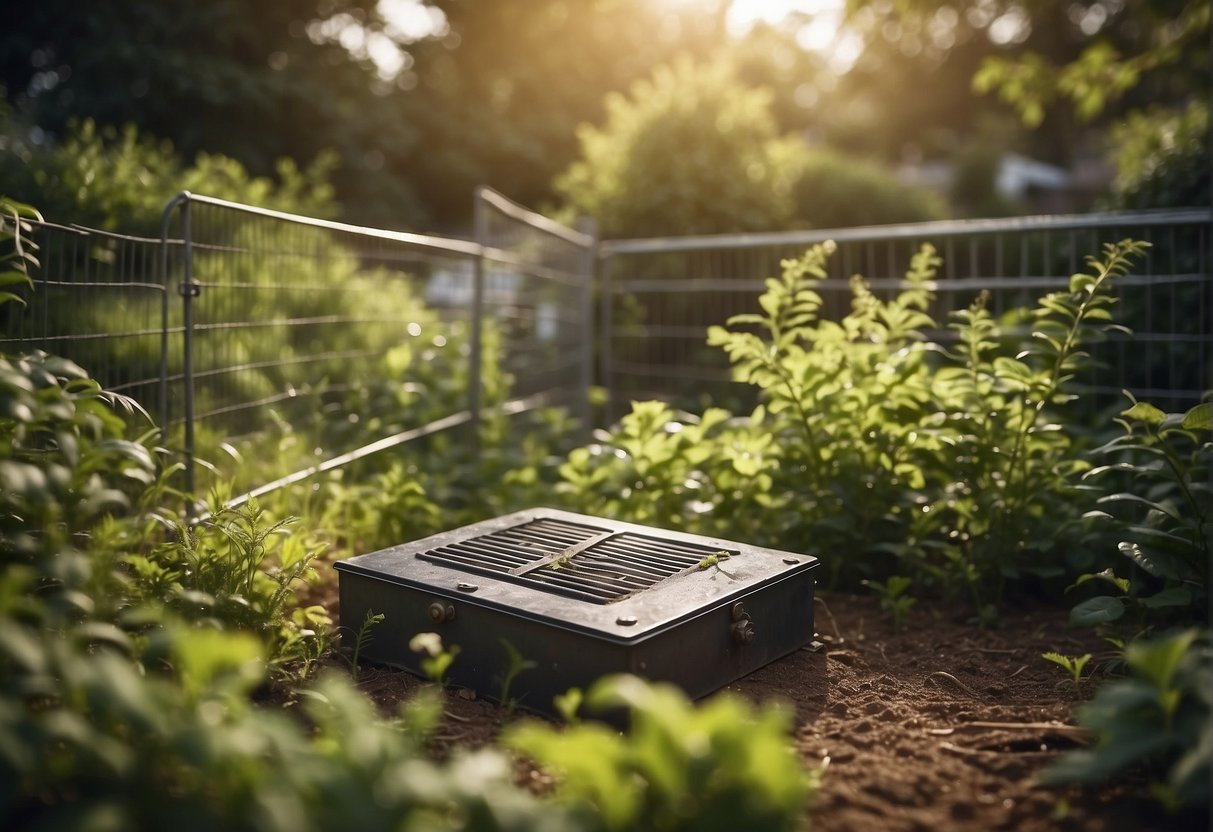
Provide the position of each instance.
(494, 92)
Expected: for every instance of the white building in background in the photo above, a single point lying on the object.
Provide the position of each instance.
(1037, 186)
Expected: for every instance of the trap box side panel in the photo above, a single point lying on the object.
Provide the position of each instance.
(709, 651)
(699, 654)
(561, 658)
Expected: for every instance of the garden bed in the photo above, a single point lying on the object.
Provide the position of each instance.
(938, 726)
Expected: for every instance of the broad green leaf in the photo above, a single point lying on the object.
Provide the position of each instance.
(1176, 596)
(1158, 564)
(1098, 610)
(1198, 418)
(1106, 575)
(1159, 659)
(1145, 413)
(1125, 497)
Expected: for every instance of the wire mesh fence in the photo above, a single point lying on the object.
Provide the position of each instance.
(660, 295)
(538, 296)
(97, 300)
(270, 345)
(307, 343)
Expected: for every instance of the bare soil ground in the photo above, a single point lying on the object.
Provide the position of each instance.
(940, 726)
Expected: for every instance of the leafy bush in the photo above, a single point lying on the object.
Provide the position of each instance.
(835, 190)
(951, 468)
(688, 151)
(16, 260)
(1155, 498)
(121, 181)
(1157, 722)
(721, 766)
(1161, 158)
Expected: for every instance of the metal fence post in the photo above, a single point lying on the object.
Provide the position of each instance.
(481, 231)
(188, 290)
(589, 260)
(604, 266)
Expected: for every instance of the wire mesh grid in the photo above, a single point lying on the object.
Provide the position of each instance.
(96, 298)
(538, 278)
(661, 295)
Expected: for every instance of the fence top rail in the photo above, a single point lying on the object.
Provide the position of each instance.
(908, 231)
(424, 241)
(524, 215)
(85, 231)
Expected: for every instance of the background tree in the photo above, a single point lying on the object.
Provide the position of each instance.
(695, 150)
(689, 151)
(255, 82)
(1073, 71)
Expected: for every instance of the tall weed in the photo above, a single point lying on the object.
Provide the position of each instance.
(875, 446)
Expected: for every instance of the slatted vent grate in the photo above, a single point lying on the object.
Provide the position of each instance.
(574, 560)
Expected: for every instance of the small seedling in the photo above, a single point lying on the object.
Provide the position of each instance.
(515, 666)
(714, 559)
(893, 597)
(437, 660)
(1073, 664)
(567, 704)
(364, 638)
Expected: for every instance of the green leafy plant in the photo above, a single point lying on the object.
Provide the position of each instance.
(955, 468)
(16, 250)
(1154, 497)
(1012, 496)
(516, 664)
(720, 766)
(1156, 721)
(363, 637)
(1073, 665)
(894, 597)
(568, 704)
(435, 659)
(240, 568)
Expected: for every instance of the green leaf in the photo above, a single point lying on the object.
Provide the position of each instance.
(1158, 660)
(1198, 418)
(1097, 610)
(1145, 413)
(1176, 596)
(1158, 564)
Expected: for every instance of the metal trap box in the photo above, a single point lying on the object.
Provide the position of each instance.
(580, 597)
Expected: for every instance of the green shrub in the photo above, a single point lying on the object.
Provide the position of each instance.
(1156, 505)
(719, 766)
(953, 469)
(688, 151)
(1161, 158)
(835, 190)
(1156, 722)
(119, 180)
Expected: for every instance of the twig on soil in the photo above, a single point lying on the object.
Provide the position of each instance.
(953, 679)
(1053, 727)
(1017, 672)
(456, 717)
(994, 650)
(833, 621)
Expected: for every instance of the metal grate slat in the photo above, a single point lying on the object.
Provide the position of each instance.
(585, 562)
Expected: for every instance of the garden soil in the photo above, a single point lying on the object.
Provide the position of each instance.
(938, 726)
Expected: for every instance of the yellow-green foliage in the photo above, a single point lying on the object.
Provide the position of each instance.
(723, 765)
(690, 150)
(120, 180)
